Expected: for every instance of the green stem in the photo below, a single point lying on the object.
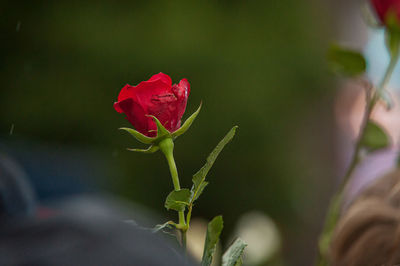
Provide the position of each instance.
(167, 147)
(173, 170)
(189, 214)
(334, 207)
(183, 239)
(369, 108)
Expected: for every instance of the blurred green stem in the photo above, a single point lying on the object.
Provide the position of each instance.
(335, 205)
(167, 147)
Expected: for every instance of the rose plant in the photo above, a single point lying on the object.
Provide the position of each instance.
(372, 136)
(155, 108)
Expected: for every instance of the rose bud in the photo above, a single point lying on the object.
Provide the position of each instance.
(157, 97)
(155, 108)
(383, 8)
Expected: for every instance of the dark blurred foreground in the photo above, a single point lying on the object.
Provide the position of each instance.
(78, 231)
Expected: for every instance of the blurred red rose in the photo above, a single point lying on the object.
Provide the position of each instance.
(157, 97)
(383, 7)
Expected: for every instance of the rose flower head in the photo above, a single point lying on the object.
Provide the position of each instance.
(156, 97)
(383, 8)
(155, 108)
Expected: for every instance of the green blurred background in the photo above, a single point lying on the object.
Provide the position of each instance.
(256, 64)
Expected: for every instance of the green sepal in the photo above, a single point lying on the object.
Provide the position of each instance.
(187, 123)
(233, 255)
(151, 149)
(139, 136)
(161, 130)
(162, 133)
(214, 230)
(178, 200)
(375, 137)
(199, 178)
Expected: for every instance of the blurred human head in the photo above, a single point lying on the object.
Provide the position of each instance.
(368, 233)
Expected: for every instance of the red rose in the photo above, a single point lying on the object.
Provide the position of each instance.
(383, 7)
(156, 97)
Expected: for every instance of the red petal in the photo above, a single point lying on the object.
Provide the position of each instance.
(136, 116)
(164, 108)
(181, 91)
(126, 92)
(163, 77)
(145, 91)
(154, 97)
(129, 91)
(117, 108)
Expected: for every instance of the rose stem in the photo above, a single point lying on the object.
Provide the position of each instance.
(334, 207)
(167, 147)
